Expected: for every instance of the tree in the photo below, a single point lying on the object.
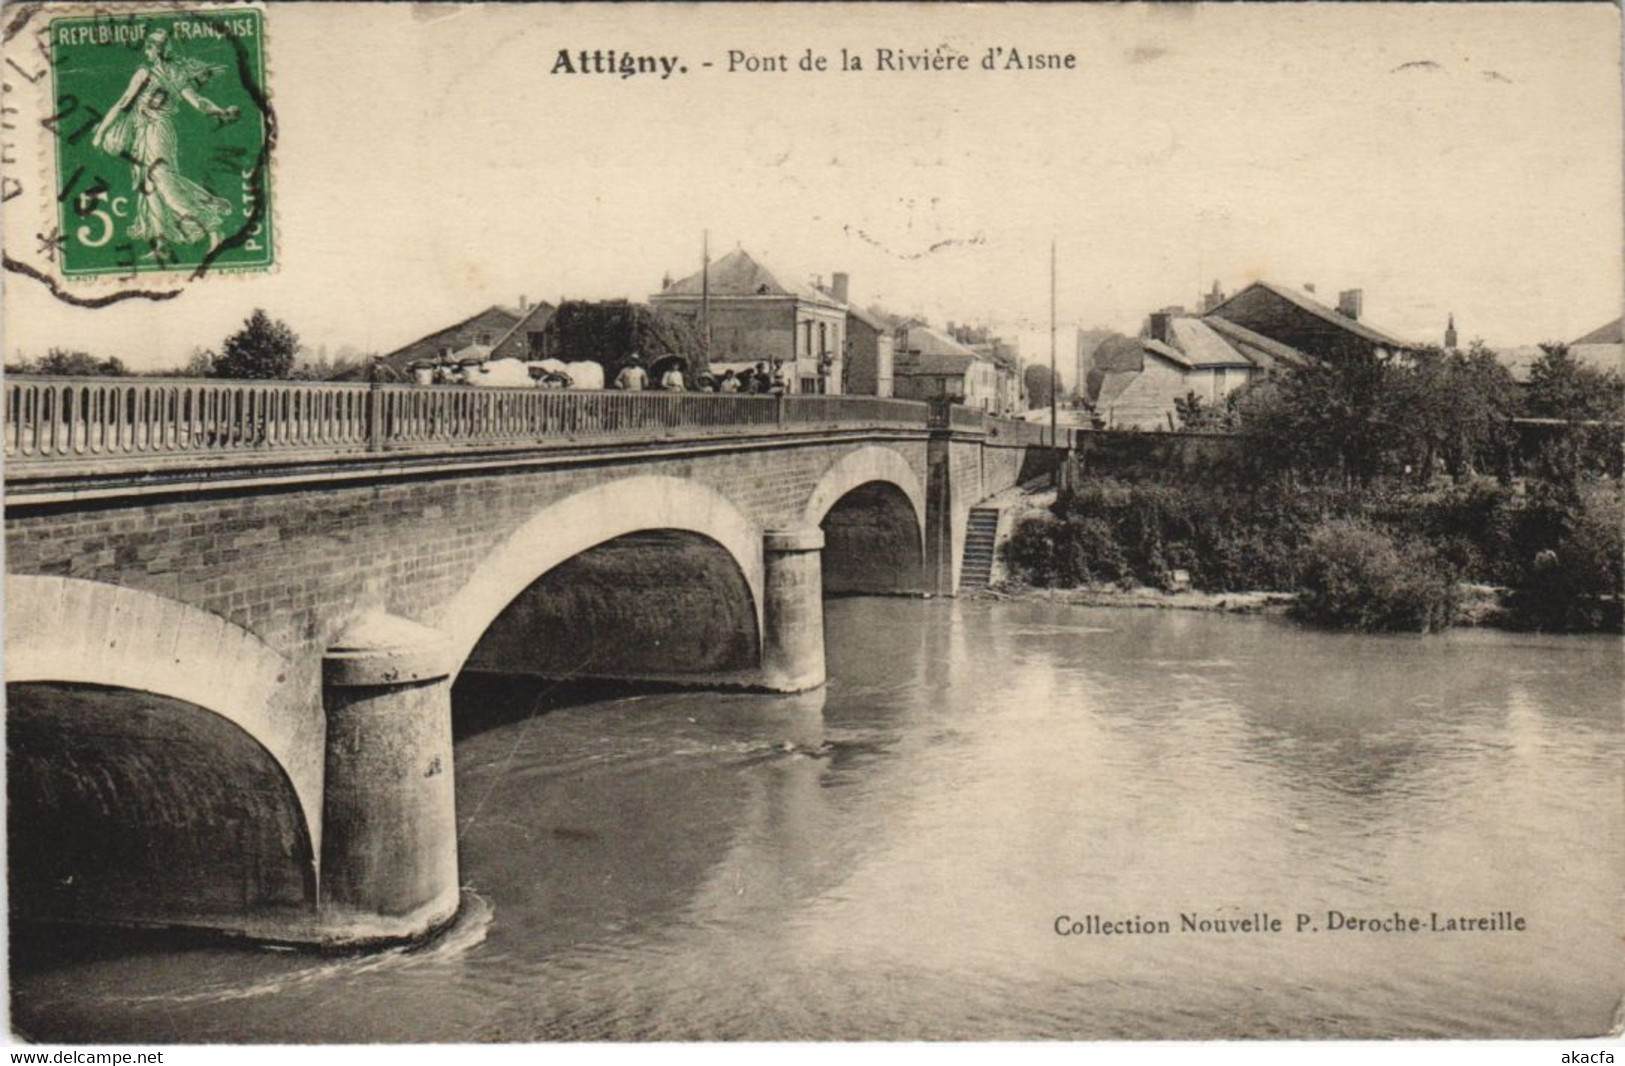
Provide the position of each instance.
(340, 367)
(263, 349)
(1333, 417)
(1562, 387)
(1454, 407)
(1040, 385)
(1589, 400)
(63, 362)
(1195, 413)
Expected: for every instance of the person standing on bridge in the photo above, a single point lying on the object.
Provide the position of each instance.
(632, 378)
(672, 379)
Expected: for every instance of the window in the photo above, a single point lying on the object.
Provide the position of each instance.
(482, 337)
(811, 385)
(537, 341)
(823, 339)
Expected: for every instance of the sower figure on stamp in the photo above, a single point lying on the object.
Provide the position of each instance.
(140, 128)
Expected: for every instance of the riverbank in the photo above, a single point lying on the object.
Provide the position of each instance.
(1147, 598)
(1479, 605)
(1391, 558)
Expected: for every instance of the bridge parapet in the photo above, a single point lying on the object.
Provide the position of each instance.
(57, 421)
(54, 424)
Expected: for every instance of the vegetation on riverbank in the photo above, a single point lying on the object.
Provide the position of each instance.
(1325, 505)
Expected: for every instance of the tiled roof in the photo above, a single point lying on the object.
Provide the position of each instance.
(868, 318)
(1167, 351)
(1203, 346)
(1308, 303)
(1609, 334)
(940, 365)
(924, 351)
(927, 341)
(509, 311)
(737, 274)
(1264, 351)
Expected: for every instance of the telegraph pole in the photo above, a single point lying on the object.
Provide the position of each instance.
(1054, 379)
(705, 293)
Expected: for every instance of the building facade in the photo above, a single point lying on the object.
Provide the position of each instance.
(869, 355)
(752, 316)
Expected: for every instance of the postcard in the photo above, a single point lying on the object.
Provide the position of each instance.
(534, 523)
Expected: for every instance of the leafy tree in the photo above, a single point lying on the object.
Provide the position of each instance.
(1040, 384)
(341, 366)
(1453, 407)
(263, 349)
(1590, 400)
(1562, 387)
(1198, 414)
(1332, 418)
(71, 363)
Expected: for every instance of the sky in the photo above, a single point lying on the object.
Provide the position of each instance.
(1444, 158)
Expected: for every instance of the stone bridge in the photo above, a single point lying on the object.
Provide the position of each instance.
(234, 612)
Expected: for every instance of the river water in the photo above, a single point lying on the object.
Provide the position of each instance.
(888, 858)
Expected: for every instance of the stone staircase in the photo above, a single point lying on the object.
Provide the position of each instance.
(981, 533)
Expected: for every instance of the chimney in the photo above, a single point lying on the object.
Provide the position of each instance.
(837, 285)
(1308, 286)
(1350, 302)
(523, 303)
(1159, 326)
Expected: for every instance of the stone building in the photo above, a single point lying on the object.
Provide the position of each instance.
(929, 365)
(869, 358)
(1300, 321)
(754, 316)
(481, 330)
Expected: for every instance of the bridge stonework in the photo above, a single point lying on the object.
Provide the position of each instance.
(324, 608)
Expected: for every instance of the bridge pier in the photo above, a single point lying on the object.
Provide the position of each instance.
(389, 824)
(792, 609)
(939, 505)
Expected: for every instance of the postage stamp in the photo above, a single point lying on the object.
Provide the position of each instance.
(161, 133)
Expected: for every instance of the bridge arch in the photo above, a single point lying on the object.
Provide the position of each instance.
(871, 506)
(596, 516)
(870, 463)
(64, 632)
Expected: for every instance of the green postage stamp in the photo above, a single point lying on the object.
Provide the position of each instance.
(163, 133)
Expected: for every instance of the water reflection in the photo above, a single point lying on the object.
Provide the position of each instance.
(886, 857)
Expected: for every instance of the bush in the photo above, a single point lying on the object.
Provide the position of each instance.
(1571, 574)
(1067, 553)
(1352, 575)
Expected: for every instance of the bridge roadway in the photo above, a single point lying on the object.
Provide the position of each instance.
(234, 611)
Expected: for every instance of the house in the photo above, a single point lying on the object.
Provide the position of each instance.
(928, 365)
(755, 316)
(1601, 349)
(868, 352)
(1302, 323)
(526, 338)
(480, 330)
(1182, 355)
(1011, 398)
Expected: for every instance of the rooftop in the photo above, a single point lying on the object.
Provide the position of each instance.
(1308, 303)
(738, 275)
